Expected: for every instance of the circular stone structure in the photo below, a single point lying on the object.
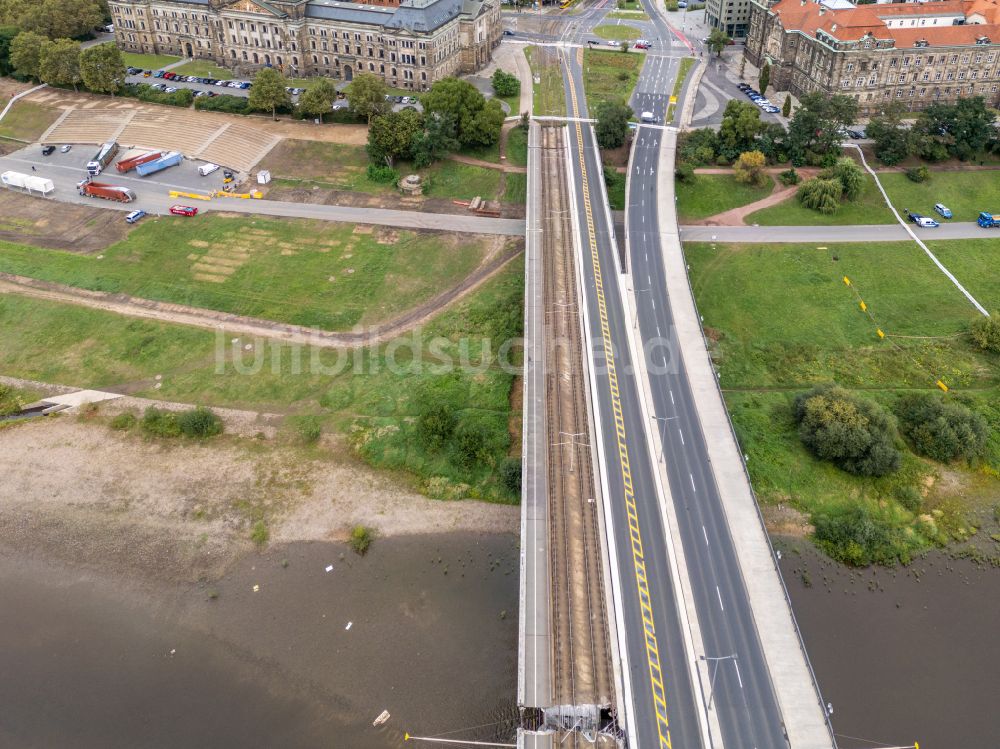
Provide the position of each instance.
(411, 184)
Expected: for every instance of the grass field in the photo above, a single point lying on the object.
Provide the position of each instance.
(203, 69)
(710, 194)
(548, 96)
(374, 405)
(628, 15)
(781, 320)
(517, 147)
(148, 62)
(619, 31)
(451, 179)
(686, 64)
(309, 273)
(609, 76)
(870, 208)
(965, 193)
(967, 260)
(26, 121)
(516, 189)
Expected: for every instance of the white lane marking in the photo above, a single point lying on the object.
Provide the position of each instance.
(705, 534)
(691, 476)
(681, 434)
(654, 303)
(720, 598)
(671, 397)
(740, 680)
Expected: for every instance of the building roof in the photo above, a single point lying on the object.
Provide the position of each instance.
(418, 16)
(978, 19)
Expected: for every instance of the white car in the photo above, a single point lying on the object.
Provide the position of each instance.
(169, 90)
(613, 43)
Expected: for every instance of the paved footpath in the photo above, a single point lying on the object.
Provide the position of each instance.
(821, 234)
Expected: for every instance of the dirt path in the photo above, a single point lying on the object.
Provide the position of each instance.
(487, 164)
(180, 314)
(736, 216)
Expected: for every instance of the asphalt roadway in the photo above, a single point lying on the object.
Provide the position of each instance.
(742, 695)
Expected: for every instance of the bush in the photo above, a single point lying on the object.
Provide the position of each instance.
(436, 424)
(918, 173)
(909, 497)
(850, 176)
(749, 169)
(259, 533)
(223, 103)
(941, 431)
(124, 421)
(144, 92)
(985, 332)
(472, 442)
(856, 435)
(382, 174)
(685, 174)
(9, 400)
(308, 428)
(505, 84)
(159, 423)
(361, 539)
(821, 195)
(199, 423)
(789, 177)
(510, 475)
(855, 535)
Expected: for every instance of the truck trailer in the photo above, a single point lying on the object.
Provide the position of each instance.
(28, 182)
(127, 165)
(103, 190)
(167, 160)
(104, 156)
(989, 220)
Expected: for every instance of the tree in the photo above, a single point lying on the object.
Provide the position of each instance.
(505, 84)
(318, 98)
(941, 431)
(459, 99)
(61, 19)
(102, 69)
(391, 135)
(749, 169)
(821, 195)
(814, 132)
(7, 34)
(483, 128)
(786, 108)
(892, 142)
(963, 128)
(985, 332)
(59, 63)
(612, 123)
(436, 140)
(269, 92)
(366, 96)
(764, 79)
(740, 126)
(26, 54)
(850, 176)
(717, 41)
(855, 434)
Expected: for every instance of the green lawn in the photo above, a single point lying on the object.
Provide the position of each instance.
(516, 189)
(549, 98)
(686, 64)
(619, 31)
(313, 273)
(965, 193)
(26, 121)
(517, 147)
(483, 153)
(710, 194)
(781, 320)
(450, 179)
(148, 62)
(870, 208)
(370, 395)
(203, 69)
(615, 182)
(628, 15)
(974, 263)
(609, 76)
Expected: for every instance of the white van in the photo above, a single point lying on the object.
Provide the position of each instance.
(206, 169)
(647, 117)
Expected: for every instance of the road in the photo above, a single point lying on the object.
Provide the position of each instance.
(822, 234)
(65, 170)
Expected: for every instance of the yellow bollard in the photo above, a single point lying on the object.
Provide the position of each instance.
(880, 333)
(847, 281)
(942, 386)
(864, 307)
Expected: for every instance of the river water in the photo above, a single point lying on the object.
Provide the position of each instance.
(88, 660)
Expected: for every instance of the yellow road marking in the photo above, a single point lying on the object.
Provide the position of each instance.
(638, 560)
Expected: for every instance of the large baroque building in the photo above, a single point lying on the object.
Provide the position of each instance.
(409, 43)
(913, 53)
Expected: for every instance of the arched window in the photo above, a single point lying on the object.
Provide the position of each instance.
(267, 59)
(255, 60)
(244, 55)
(315, 59)
(295, 62)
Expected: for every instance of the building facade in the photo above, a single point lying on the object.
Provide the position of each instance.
(913, 53)
(731, 16)
(409, 43)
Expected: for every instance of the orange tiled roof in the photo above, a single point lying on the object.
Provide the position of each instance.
(854, 23)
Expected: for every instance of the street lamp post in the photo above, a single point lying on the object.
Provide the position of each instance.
(663, 434)
(715, 668)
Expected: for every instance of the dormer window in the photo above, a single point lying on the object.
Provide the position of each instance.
(983, 40)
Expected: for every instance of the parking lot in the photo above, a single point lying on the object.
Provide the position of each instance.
(197, 84)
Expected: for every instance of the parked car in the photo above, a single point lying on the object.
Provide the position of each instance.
(943, 210)
(134, 216)
(925, 222)
(642, 44)
(681, 4)
(183, 210)
(159, 74)
(201, 93)
(146, 73)
(158, 86)
(170, 89)
(508, 32)
(613, 43)
(67, 148)
(48, 150)
(770, 108)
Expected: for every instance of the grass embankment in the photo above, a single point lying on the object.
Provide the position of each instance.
(203, 69)
(615, 183)
(313, 273)
(609, 76)
(457, 181)
(148, 62)
(548, 98)
(869, 208)
(618, 31)
(358, 393)
(782, 320)
(517, 147)
(710, 194)
(686, 64)
(967, 194)
(628, 15)
(26, 121)
(516, 188)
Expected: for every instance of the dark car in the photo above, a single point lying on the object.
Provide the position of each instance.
(47, 150)
(508, 32)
